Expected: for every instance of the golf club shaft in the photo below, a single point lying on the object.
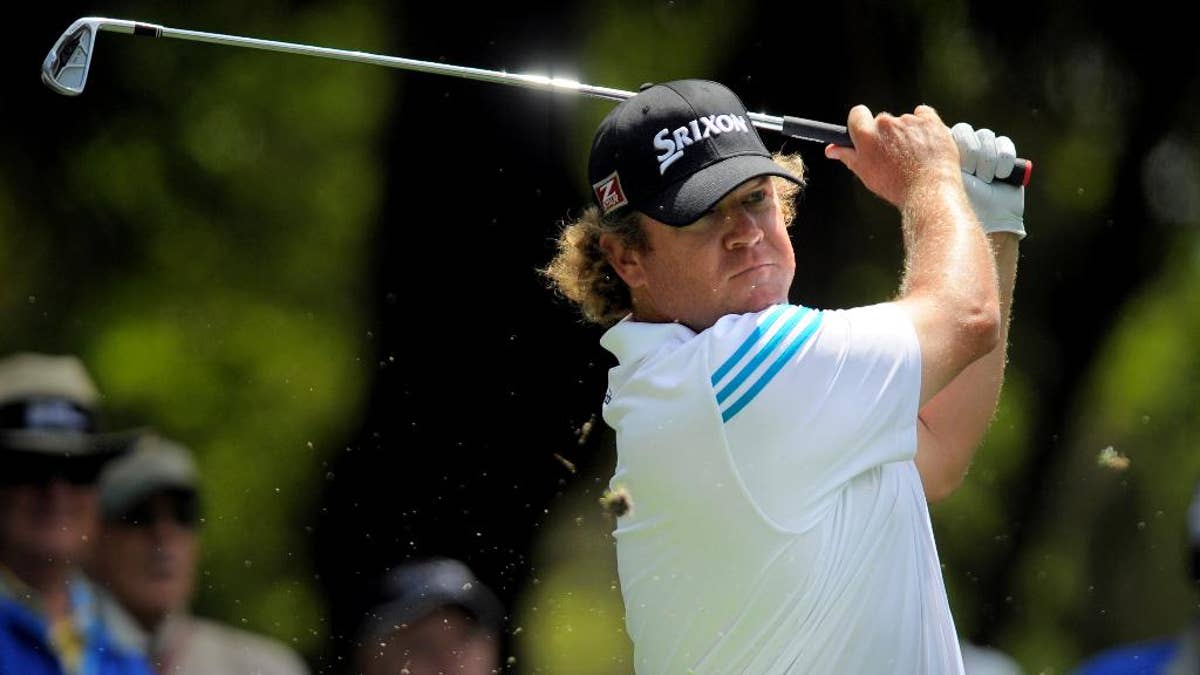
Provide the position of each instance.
(794, 127)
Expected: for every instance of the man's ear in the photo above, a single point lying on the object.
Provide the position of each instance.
(625, 260)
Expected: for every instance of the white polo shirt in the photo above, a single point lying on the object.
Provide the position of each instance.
(779, 524)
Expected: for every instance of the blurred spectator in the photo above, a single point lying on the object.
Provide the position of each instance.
(981, 660)
(428, 618)
(50, 454)
(1175, 655)
(147, 564)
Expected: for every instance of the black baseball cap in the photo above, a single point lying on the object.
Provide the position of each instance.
(674, 150)
(410, 592)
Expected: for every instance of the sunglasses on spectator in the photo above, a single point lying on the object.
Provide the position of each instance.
(182, 507)
(41, 471)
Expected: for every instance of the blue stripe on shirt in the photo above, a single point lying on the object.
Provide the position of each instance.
(766, 377)
(754, 337)
(762, 354)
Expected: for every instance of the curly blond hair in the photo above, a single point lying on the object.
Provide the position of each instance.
(580, 271)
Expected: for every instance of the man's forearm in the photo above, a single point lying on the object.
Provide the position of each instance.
(954, 420)
(949, 284)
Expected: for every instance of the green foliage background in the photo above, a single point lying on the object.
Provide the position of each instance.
(205, 252)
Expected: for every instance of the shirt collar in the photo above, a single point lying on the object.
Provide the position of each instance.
(631, 341)
(18, 591)
(130, 634)
(121, 625)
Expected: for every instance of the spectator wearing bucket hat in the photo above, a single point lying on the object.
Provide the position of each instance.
(146, 563)
(51, 452)
(432, 616)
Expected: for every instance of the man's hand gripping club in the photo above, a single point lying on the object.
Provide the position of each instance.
(984, 156)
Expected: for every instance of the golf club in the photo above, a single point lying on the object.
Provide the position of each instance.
(65, 70)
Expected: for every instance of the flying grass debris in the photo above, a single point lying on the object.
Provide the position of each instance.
(565, 462)
(1109, 458)
(617, 502)
(586, 429)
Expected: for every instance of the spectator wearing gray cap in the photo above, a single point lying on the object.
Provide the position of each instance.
(51, 450)
(430, 617)
(1175, 655)
(147, 560)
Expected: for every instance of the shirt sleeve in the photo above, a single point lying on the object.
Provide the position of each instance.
(813, 398)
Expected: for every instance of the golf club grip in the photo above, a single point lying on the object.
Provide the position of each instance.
(823, 132)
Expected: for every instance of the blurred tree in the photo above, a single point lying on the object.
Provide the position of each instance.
(1107, 561)
(196, 225)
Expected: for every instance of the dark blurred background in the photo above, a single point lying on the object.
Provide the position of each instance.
(322, 277)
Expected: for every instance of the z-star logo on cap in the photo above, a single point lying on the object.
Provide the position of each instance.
(609, 194)
(672, 143)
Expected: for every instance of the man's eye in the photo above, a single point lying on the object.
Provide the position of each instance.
(756, 197)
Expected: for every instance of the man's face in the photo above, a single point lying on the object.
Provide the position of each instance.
(445, 642)
(737, 258)
(49, 515)
(147, 558)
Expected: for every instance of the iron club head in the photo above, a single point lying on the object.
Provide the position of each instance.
(65, 68)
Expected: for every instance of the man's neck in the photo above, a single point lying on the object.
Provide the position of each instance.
(144, 627)
(41, 583)
(152, 622)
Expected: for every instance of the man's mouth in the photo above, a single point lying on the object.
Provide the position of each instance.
(753, 268)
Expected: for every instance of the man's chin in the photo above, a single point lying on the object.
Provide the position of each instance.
(762, 297)
(762, 286)
(68, 548)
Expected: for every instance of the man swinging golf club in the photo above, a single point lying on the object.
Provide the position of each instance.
(778, 458)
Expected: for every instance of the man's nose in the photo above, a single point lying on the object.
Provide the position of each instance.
(165, 526)
(58, 488)
(742, 229)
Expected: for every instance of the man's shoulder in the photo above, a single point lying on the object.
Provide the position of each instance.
(13, 610)
(775, 324)
(20, 633)
(1148, 657)
(268, 655)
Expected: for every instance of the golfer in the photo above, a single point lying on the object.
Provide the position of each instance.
(778, 458)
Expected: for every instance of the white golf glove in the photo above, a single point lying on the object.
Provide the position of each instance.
(984, 156)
